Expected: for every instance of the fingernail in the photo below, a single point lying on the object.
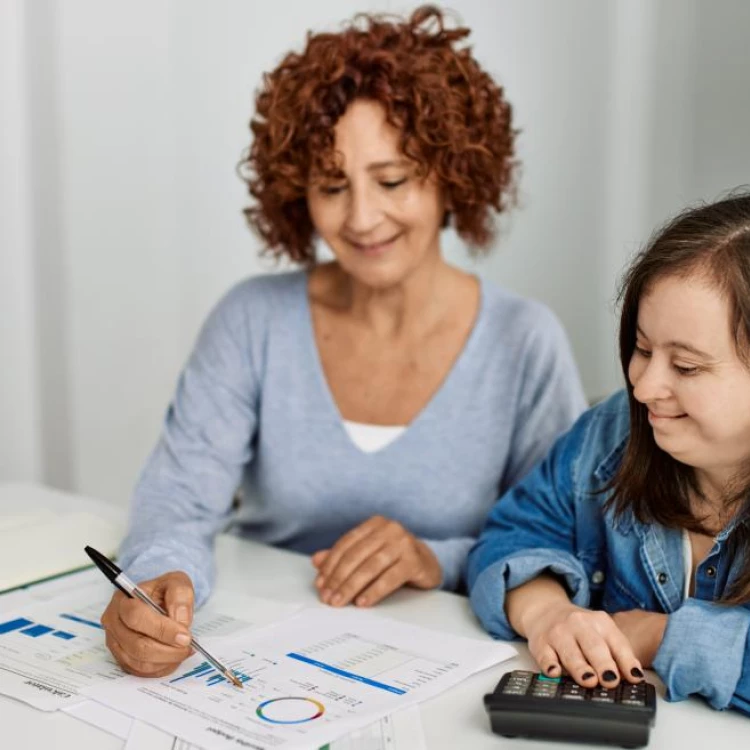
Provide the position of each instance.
(609, 676)
(337, 599)
(182, 615)
(182, 639)
(551, 668)
(636, 673)
(362, 601)
(326, 595)
(318, 582)
(587, 675)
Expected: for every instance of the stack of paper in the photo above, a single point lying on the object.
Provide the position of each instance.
(311, 678)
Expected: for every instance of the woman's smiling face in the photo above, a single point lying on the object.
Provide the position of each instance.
(686, 370)
(379, 217)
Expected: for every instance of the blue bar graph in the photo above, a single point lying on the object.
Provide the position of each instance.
(204, 669)
(32, 630)
(199, 671)
(17, 624)
(36, 630)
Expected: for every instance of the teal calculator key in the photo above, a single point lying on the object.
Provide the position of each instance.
(544, 678)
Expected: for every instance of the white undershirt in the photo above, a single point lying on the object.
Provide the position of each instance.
(687, 556)
(370, 438)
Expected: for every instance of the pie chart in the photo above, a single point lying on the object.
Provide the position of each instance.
(290, 710)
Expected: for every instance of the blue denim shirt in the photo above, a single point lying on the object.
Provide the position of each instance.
(552, 521)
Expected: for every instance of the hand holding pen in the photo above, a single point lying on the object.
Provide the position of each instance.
(151, 640)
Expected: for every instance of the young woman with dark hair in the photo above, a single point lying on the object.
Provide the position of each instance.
(629, 545)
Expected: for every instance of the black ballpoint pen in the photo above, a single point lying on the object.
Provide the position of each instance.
(131, 590)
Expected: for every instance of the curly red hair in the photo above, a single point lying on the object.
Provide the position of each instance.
(454, 120)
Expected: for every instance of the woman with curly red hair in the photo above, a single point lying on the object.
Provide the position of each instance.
(370, 408)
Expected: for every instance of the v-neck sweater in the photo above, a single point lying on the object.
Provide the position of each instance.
(253, 440)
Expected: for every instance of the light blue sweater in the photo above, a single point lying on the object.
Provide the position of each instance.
(253, 410)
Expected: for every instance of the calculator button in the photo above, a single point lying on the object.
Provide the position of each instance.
(573, 697)
(602, 695)
(633, 702)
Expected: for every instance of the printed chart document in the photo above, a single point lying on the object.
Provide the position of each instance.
(50, 651)
(401, 731)
(306, 682)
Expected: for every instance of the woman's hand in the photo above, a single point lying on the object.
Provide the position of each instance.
(144, 642)
(644, 630)
(587, 644)
(372, 561)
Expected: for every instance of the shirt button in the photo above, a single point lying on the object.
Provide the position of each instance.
(662, 578)
(711, 571)
(597, 577)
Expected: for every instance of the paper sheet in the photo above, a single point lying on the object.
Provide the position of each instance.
(98, 715)
(401, 731)
(50, 650)
(313, 679)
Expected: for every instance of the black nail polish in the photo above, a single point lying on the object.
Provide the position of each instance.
(587, 675)
(636, 673)
(551, 669)
(609, 676)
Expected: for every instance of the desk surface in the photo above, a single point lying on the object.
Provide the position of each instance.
(455, 719)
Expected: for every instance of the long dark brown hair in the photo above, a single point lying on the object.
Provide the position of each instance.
(712, 240)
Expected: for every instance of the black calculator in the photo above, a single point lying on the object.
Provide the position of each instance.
(528, 704)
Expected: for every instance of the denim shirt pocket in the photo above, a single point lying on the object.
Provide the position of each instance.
(610, 591)
(626, 586)
(594, 563)
(618, 596)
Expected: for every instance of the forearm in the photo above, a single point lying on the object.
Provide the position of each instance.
(524, 604)
(147, 553)
(172, 531)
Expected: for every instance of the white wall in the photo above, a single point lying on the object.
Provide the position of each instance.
(127, 121)
(20, 448)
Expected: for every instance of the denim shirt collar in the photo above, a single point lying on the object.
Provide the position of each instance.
(611, 462)
(604, 472)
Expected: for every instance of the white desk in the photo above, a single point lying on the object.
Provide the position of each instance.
(455, 719)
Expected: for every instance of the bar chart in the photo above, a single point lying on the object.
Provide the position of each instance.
(212, 677)
(59, 646)
(33, 630)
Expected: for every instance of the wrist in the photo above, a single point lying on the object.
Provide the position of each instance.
(657, 626)
(432, 570)
(532, 603)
